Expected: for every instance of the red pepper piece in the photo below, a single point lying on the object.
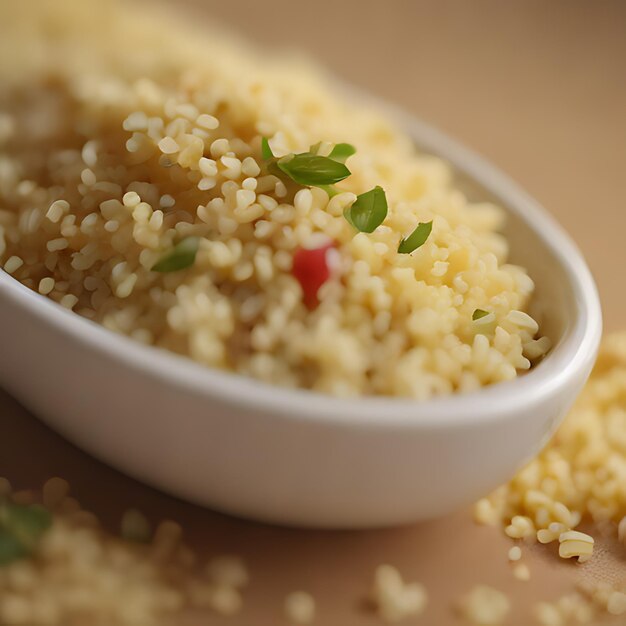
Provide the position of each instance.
(312, 270)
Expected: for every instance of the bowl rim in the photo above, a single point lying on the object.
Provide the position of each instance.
(572, 357)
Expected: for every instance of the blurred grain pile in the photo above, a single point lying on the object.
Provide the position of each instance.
(578, 480)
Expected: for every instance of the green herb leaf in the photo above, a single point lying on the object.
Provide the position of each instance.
(341, 152)
(368, 211)
(479, 313)
(329, 189)
(310, 169)
(180, 257)
(25, 523)
(21, 527)
(10, 548)
(266, 151)
(416, 239)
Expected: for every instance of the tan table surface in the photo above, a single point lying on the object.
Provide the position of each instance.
(538, 88)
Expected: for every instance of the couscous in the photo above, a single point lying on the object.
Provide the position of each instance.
(578, 479)
(232, 207)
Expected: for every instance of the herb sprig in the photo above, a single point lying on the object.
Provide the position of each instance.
(479, 314)
(341, 152)
(21, 528)
(309, 168)
(366, 213)
(312, 169)
(416, 239)
(180, 257)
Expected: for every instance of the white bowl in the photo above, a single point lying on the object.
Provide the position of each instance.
(296, 457)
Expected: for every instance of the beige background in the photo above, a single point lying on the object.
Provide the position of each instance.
(537, 87)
